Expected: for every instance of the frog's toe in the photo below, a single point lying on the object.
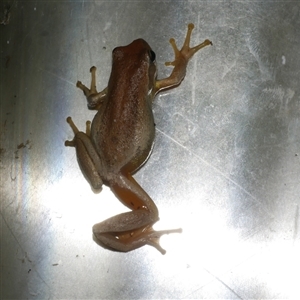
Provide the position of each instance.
(93, 69)
(73, 126)
(85, 90)
(70, 143)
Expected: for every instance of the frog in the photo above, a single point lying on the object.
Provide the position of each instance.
(119, 140)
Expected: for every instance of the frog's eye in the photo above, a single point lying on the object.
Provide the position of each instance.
(152, 55)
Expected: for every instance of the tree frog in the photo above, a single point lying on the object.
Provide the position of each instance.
(120, 138)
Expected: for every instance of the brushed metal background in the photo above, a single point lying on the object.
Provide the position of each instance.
(225, 166)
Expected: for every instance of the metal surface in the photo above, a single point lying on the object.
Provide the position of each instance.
(225, 166)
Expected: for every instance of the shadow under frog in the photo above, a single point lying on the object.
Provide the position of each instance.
(119, 140)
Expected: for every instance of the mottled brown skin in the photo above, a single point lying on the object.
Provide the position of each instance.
(121, 136)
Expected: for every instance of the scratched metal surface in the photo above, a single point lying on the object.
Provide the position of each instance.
(225, 166)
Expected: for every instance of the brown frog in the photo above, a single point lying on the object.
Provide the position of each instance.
(120, 139)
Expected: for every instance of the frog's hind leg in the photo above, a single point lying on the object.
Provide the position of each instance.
(131, 230)
(129, 240)
(88, 159)
(94, 98)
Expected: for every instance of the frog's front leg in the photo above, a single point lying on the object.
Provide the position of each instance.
(182, 58)
(130, 230)
(88, 159)
(94, 98)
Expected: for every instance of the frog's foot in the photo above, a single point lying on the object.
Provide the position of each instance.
(94, 98)
(129, 240)
(180, 62)
(186, 52)
(76, 131)
(152, 237)
(92, 89)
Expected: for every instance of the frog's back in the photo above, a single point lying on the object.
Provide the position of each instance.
(124, 126)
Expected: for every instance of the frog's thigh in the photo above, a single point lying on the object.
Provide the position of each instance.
(130, 193)
(88, 160)
(128, 221)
